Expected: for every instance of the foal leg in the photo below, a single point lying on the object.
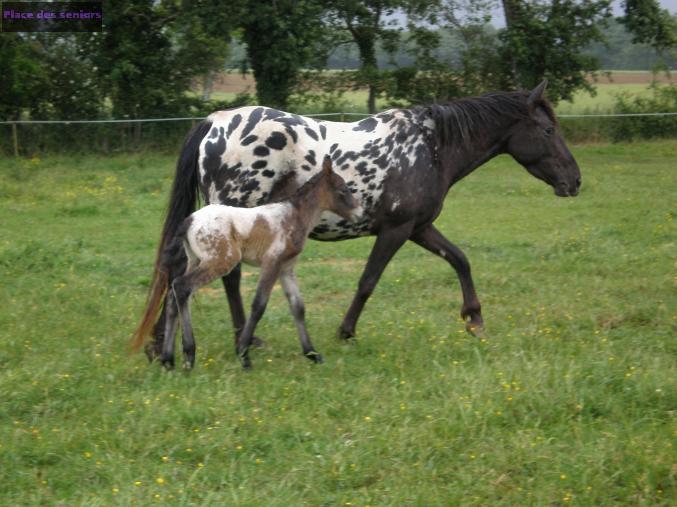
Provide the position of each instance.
(388, 242)
(267, 279)
(153, 349)
(231, 283)
(291, 290)
(432, 240)
(182, 288)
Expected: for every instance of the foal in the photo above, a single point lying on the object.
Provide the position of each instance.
(217, 238)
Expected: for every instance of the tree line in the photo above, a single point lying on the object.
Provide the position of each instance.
(151, 52)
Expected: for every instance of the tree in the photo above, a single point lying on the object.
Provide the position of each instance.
(650, 24)
(548, 38)
(148, 55)
(368, 22)
(24, 76)
(282, 36)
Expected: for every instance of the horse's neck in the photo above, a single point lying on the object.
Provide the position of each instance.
(465, 157)
(307, 211)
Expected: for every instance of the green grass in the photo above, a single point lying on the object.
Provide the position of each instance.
(569, 401)
(604, 99)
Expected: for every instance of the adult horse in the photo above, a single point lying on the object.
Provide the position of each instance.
(399, 164)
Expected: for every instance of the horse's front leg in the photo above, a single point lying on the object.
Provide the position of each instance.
(432, 240)
(267, 279)
(388, 242)
(231, 282)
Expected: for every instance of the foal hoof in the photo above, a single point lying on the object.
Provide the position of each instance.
(314, 357)
(168, 364)
(188, 364)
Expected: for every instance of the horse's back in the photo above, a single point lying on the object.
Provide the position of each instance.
(249, 149)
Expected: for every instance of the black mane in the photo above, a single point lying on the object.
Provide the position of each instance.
(469, 118)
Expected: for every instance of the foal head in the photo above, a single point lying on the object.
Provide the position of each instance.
(334, 194)
(536, 143)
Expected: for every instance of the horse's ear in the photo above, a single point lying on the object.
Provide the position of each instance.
(536, 94)
(326, 164)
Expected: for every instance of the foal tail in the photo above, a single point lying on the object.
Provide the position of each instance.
(184, 196)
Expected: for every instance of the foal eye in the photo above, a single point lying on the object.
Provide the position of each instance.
(549, 131)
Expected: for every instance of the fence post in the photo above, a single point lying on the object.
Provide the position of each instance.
(343, 117)
(15, 140)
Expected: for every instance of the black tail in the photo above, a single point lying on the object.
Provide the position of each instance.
(186, 184)
(182, 203)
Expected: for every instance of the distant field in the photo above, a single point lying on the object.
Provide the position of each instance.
(228, 85)
(570, 400)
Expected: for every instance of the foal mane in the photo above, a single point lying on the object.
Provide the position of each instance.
(466, 119)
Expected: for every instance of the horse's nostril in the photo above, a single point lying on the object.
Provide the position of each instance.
(578, 182)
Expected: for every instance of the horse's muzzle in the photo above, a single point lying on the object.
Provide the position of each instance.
(564, 189)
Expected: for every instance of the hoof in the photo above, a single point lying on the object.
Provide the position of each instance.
(168, 364)
(188, 365)
(314, 357)
(151, 352)
(345, 335)
(258, 342)
(476, 329)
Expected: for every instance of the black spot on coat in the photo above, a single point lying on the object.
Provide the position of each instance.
(259, 164)
(249, 140)
(367, 125)
(254, 118)
(261, 151)
(276, 141)
(271, 114)
(312, 133)
(234, 124)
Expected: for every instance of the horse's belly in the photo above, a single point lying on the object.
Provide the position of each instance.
(332, 227)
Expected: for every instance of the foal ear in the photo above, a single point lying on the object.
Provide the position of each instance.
(537, 94)
(326, 164)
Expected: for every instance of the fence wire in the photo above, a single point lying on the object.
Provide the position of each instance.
(127, 134)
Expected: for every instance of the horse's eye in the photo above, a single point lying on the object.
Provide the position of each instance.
(549, 131)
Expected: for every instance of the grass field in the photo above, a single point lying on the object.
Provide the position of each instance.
(570, 400)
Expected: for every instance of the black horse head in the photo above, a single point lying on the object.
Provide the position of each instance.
(536, 143)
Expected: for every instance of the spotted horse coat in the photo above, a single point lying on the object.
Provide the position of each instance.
(399, 164)
(254, 154)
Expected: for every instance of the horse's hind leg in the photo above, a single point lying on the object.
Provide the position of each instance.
(432, 240)
(171, 315)
(291, 290)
